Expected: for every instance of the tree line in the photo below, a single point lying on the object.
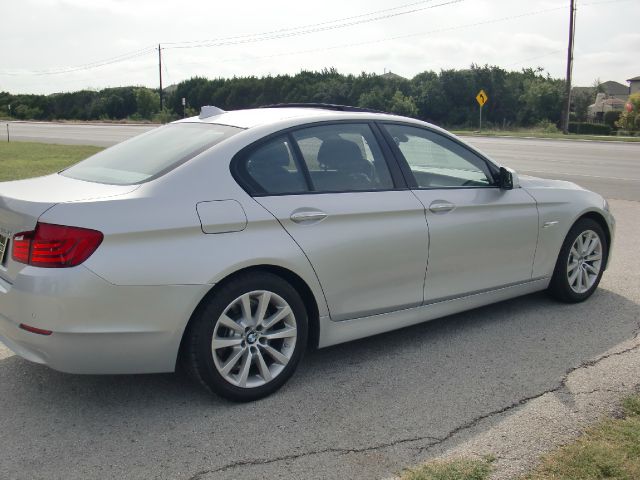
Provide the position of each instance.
(516, 98)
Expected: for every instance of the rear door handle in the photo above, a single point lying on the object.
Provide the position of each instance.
(440, 206)
(308, 217)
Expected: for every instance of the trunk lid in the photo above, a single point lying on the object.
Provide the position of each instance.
(22, 202)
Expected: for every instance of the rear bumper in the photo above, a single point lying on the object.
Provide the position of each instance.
(98, 328)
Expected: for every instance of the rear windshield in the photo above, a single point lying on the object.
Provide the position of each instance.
(151, 154)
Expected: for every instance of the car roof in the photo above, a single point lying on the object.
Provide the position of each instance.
(254, 117)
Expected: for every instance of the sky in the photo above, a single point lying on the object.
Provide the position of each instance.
(49, 46)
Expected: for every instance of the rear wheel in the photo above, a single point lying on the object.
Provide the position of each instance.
(247, 338)
(580, 263)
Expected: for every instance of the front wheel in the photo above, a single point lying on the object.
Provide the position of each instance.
(580, 263)
(247, 338)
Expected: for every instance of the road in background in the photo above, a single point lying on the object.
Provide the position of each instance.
(609, 168)
(99, 134)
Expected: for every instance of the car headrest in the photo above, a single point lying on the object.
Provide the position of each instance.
(272, 155)
(338, 153)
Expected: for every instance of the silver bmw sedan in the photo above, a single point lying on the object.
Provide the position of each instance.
(230, 242)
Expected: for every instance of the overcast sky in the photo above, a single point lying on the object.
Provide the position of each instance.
(47, 36)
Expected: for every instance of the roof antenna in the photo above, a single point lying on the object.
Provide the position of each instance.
(207, 111)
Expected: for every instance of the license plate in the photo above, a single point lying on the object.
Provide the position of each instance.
(4, 241)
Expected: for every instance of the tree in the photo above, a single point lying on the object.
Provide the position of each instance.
(403, 105)
(630, 121)
(147, 102)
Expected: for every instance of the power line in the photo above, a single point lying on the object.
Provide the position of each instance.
(410, 35)
(119, 58)
(314, 29)
(247, 38)
(407, 5)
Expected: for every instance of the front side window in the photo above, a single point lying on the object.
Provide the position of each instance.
(343, 157)
(438, 162)
(151, 154)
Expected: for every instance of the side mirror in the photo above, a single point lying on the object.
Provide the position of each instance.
(507, 180)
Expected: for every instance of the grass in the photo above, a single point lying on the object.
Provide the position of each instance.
(608, 450)
(541, 134)
(458, 469)
(23, 160)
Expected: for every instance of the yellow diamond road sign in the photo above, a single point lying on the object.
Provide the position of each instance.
(482, 98)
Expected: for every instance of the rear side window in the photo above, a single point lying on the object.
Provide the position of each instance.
(272, 168)
(151, 154)
(343, 158)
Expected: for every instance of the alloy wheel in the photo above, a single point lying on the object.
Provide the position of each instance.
(254, 339)
(584, 262)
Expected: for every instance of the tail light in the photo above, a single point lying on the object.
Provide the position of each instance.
(55, 246)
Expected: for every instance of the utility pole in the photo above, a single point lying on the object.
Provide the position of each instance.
(160, 72)
(567, 106)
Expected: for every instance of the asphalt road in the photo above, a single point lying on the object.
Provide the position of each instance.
(364, 409)
(611, 169)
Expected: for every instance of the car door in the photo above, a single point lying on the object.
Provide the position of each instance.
(333, 191)
(481, 237)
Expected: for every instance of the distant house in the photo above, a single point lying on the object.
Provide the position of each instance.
(634, 85)
(615, 90)
(392, 76)
(613, 97)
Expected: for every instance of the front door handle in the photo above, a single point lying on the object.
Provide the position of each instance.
(440, 206)
(308, 217)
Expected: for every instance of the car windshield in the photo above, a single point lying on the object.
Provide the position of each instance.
(151, 154)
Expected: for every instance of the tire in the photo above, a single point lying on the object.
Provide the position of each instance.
(240, 356)
(569, 283)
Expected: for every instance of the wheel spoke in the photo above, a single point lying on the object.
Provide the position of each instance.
(220, 342)
(574, 276)
(594, 257)
(574, 252)
(244, 371)
(245, 305)
(276, 355)
(595, 242)
(230, 323)
(579, 282)
(585, 278)
(287, 332)
(263, 368)
(263, 304)
(233, 360)
(572, 267)
(591, 268)
(580, 242)
(276, 317)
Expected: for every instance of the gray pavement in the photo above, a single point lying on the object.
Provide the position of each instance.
(364, 409)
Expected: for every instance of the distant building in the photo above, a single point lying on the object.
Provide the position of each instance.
(615, 90)
(613, 97)
(603, 105)
(392, 76)
(634, 85)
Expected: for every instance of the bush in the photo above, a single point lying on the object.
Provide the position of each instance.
(547, 126)
(589, 128)
(610, 118)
